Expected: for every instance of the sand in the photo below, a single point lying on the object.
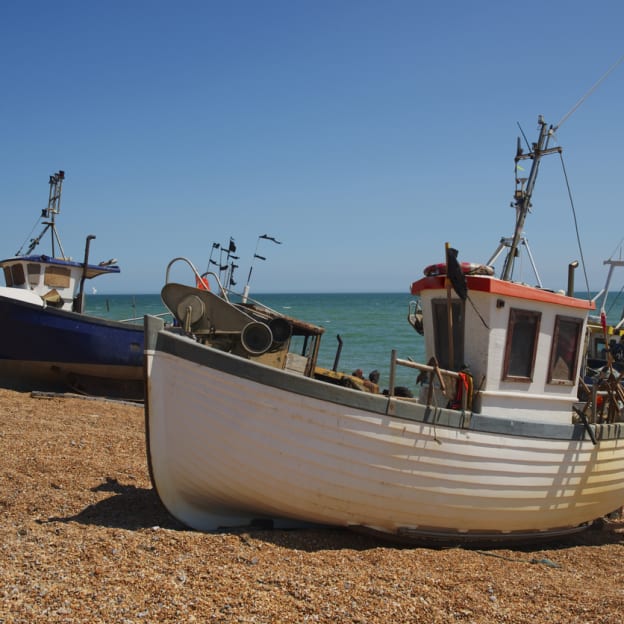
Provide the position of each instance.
(84, 538)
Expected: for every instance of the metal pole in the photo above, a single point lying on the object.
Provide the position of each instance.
(523, 196)
(79, 303)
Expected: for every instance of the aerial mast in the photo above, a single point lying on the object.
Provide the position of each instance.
(54, 208)
(524, 190)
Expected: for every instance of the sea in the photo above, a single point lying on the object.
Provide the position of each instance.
(370, 325)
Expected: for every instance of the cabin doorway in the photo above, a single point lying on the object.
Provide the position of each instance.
(442, 322)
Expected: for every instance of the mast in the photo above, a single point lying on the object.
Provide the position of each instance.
(524, 190)
(604, 293)
(54, 208)
(257, 255)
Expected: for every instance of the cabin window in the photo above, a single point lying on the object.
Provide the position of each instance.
(56, 277)
(565, 350)
(33, 273)
(521, 346)
(14, 275)
(441, 332)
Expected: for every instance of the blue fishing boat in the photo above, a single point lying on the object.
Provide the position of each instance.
(48, 341)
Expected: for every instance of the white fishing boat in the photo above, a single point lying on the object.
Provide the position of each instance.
(494, 444)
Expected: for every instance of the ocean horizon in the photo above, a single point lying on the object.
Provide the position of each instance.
(370, 325)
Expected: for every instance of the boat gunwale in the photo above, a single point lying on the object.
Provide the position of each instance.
(157, 339)
(78, 317)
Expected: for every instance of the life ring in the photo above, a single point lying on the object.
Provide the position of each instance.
(468, 268)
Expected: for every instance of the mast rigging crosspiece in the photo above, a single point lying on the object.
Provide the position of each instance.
(523, 193)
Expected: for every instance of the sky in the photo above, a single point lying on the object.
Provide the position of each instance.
(362, 135)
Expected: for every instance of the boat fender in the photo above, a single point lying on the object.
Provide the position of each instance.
(468, 268)
(416, 321)
(202, 283)
(464, 386)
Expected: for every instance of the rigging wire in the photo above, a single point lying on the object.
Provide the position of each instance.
(578, 237)
(615, 300)
(524, 136)
(593, 88)
(28, 238)
(554, 129)
(618, 247)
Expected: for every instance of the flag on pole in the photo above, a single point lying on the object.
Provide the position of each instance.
(455, 274)
(267, 237)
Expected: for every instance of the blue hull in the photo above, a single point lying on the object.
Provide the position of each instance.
(47, 348)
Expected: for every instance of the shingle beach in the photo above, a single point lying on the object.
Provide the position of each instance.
(84, 538)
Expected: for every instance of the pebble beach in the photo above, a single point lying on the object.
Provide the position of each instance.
(84, 538)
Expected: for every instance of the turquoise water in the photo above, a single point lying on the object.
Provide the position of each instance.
(124, 307)
(370, 325)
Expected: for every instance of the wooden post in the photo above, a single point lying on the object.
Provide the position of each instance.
(449, 312)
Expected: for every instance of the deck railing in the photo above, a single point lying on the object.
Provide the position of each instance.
(434, 372)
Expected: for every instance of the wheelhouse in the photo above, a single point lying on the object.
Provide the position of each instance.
(525, 344)
(55, 280)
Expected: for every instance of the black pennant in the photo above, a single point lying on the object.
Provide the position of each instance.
(455, 274)
(267, 237)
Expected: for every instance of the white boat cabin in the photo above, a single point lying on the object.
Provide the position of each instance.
(53, 281)
(523, 346)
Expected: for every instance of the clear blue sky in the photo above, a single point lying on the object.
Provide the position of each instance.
(364, 135)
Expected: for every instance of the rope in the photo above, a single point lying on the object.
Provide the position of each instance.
(544, 560)
(596, 85)
(474, 307)
(19, 251)
(578, 236)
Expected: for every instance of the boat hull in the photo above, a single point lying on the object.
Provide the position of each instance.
(231, 441)
(44, 348)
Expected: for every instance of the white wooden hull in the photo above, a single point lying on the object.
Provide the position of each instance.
(225, 448)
